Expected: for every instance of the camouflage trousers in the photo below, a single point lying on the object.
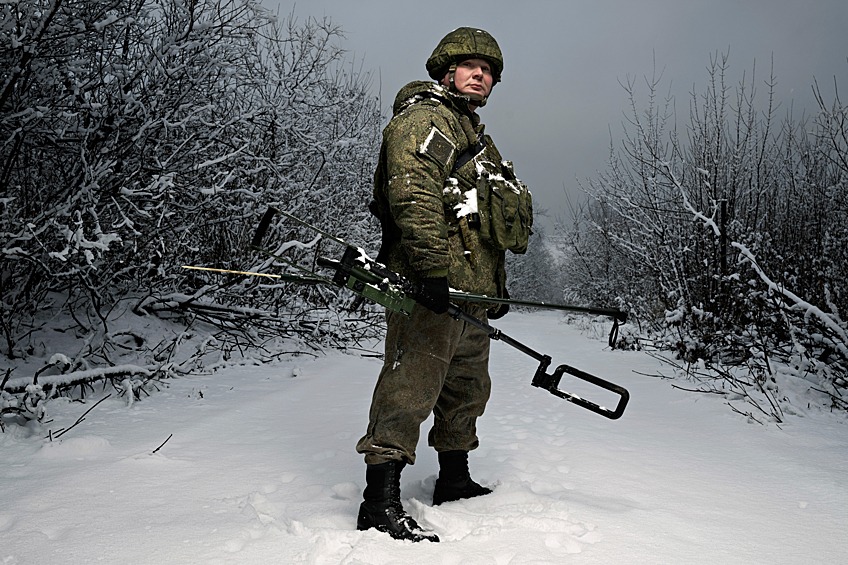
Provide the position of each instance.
(433, 364)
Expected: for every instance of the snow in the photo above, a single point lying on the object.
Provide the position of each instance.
(256, 464)
(469, 205)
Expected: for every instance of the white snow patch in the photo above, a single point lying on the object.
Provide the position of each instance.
(262, 469)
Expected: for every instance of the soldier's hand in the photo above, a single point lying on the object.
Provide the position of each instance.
(498, 312)
(434, 294)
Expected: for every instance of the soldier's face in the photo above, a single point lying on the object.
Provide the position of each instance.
(473, 77)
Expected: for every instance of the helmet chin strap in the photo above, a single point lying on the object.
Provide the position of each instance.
(475, 99)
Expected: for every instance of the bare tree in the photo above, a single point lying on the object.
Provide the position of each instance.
(731, 231)
(136, 137)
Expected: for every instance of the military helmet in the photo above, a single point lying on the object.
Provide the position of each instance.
(465, 43)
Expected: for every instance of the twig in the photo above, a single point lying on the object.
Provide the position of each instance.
(747, 414)
(81, 418)
(162, 444)
(836, 400)
(698, 390)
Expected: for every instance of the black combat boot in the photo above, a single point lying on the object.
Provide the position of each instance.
(455, 482)
(382, 508)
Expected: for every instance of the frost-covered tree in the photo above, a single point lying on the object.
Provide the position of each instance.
(730, 227)
(536, 275)
(140, 136)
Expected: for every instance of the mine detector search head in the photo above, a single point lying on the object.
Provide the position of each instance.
(374, 281)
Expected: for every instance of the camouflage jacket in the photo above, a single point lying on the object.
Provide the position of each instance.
(422, 201)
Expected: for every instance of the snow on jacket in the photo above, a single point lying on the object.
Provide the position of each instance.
(428, 207)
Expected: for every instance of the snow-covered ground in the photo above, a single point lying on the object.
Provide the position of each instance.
(261, 468)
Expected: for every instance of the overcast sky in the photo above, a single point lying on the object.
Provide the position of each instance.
(564, 59)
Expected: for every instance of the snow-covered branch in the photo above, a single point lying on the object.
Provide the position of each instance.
(797, 303)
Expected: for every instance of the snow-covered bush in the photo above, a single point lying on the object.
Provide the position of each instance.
(537, 275)
(729, 232)
(139, 137)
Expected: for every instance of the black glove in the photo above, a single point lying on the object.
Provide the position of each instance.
(434, 294)
(498, 312)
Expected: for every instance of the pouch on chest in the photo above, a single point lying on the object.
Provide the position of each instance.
(494, 201)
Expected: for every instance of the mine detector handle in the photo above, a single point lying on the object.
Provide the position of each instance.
(618, 317)
(614, 313)
(551, 382)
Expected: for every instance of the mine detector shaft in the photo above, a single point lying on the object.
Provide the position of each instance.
(371, 280)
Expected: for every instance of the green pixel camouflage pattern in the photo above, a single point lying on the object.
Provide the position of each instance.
(465, 43)
(433, 364)
(413, 189)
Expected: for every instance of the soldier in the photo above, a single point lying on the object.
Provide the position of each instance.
(436, 178)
